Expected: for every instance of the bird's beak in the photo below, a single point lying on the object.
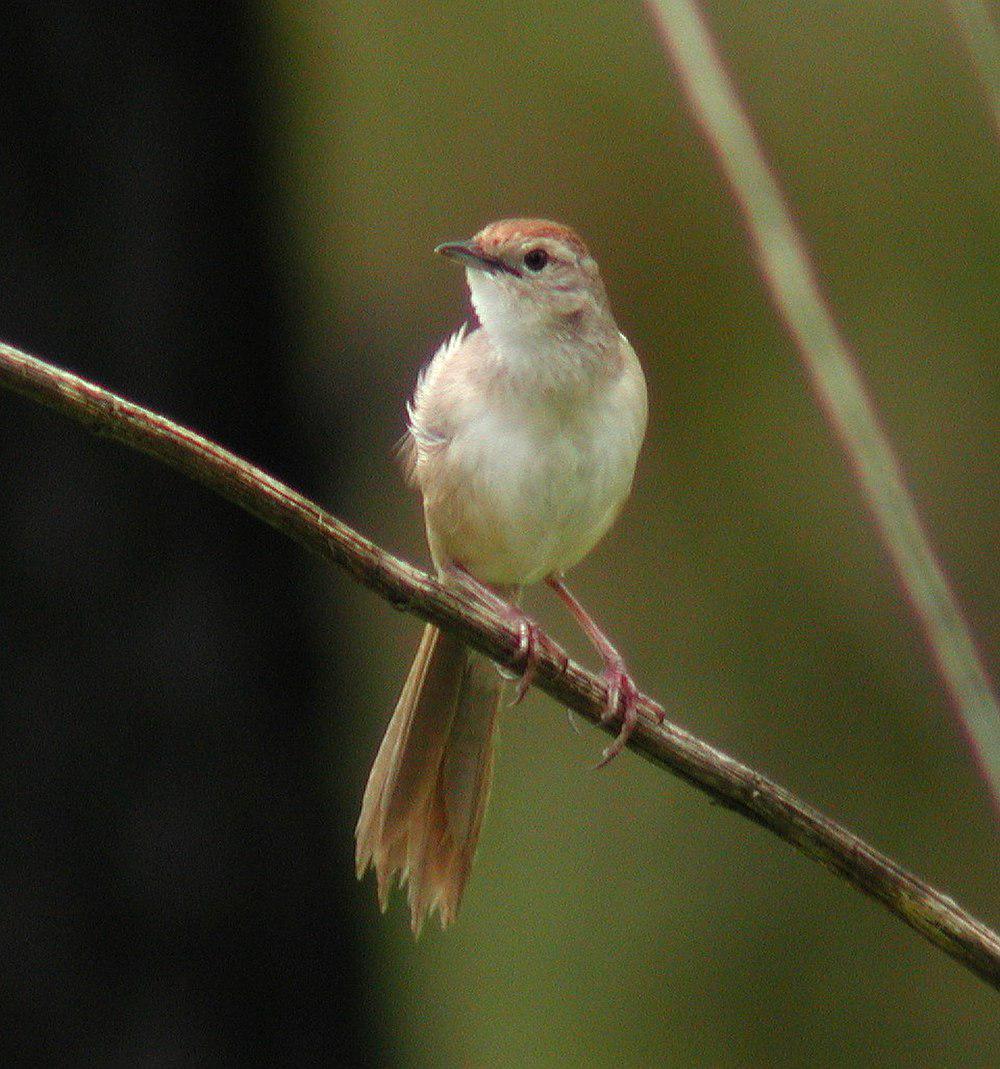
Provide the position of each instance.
(469, 254)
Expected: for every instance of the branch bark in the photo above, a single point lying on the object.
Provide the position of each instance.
(727, 781)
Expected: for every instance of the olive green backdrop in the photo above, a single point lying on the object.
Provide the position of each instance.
(618, 918)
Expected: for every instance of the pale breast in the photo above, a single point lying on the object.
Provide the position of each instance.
(521, 490)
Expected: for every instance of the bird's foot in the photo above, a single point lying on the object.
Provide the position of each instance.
(623, 702)
(527, 657)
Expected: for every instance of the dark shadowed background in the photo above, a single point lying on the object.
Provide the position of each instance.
(176, 885)
(226, 213)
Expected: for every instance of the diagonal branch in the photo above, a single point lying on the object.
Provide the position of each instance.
(935, 916)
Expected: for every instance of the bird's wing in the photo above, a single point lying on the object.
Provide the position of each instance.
(427, 424)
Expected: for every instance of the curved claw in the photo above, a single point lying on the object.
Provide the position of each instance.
(528, 631)
(623, 693)
(527, 654)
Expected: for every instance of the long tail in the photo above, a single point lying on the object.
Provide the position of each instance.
(427, 792)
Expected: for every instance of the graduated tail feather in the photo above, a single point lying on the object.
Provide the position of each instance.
(427, 792)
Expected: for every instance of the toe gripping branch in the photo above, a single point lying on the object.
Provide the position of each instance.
(529, 633)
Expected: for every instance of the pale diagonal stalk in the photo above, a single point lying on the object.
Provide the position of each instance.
(788, 272)
(728, 781)
(976, 26)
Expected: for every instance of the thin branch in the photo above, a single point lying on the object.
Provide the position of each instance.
(789, 274)
(936, 917)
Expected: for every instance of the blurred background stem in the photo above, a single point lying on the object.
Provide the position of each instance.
(791, 279)
(975, 24)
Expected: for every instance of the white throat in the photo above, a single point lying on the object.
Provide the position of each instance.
(535, 346)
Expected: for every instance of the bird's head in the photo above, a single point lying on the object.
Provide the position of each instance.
(532, 275)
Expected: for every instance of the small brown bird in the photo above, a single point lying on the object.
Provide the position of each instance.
(523, 439)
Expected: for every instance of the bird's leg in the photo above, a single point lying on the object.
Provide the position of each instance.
(622, 691)
(489, 598)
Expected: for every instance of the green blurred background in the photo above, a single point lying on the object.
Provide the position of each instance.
(618, 918)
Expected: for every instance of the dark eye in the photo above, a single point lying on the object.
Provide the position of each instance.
(535, 259)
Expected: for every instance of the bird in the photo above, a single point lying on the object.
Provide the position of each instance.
(523, 436)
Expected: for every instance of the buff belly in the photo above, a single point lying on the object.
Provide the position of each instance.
(516, 501)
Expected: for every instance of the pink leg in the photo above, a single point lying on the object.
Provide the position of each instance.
(527, 651)
(622, 691)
